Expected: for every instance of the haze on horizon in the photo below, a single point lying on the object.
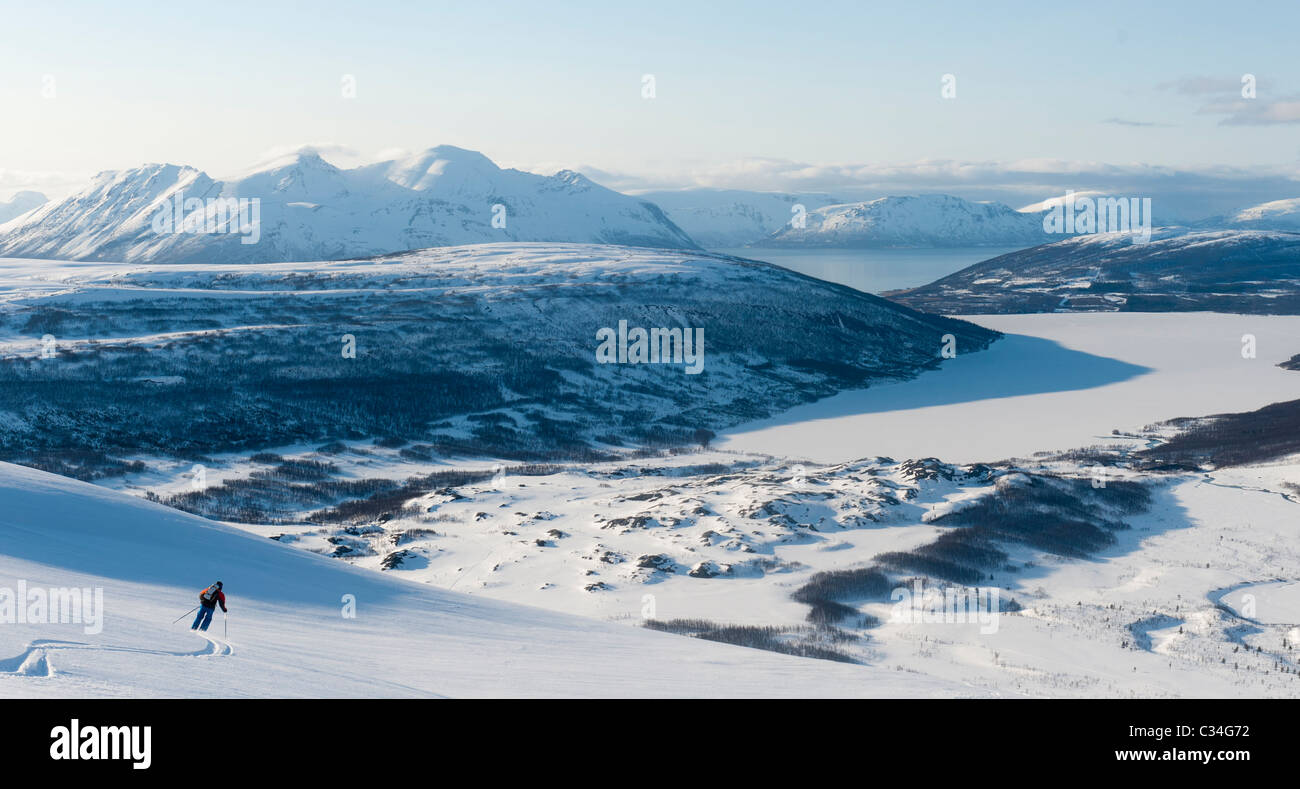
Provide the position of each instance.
(840, 96)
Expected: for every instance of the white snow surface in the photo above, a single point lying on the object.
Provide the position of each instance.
(1273, 215)
(288, 638)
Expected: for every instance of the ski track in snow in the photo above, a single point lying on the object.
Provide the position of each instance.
(34, 660)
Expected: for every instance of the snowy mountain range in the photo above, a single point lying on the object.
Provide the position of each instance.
(722, 219)
(916, 221)
(729, 218)
(1240, 271)
(1190, 212)
(308, 209)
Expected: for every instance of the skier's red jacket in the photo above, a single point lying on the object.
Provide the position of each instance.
(220, 598)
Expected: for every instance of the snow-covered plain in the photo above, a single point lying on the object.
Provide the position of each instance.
(1055, 382)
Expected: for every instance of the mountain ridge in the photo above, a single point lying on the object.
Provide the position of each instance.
(912, 221)
(309, 209)
(1179, 269)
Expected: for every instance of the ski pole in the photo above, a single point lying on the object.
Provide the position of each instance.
(187, 613)
(225, 627)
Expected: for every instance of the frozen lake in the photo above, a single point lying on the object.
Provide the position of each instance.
(1055, 382)
(873, 270)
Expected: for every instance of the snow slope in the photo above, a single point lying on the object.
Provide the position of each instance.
(288, 638)
(916, 221)
(1273, 215)
(312, 210)
(1246, 271)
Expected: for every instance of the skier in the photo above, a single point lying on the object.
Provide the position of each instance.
(208, 600)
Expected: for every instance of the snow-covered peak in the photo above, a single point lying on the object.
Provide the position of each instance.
(118, 204)
(155, 179)
(575, 180)
(302, 175)
(931, 220)
(305, 157)
(444, 168)
(1060, 200)
(1274, 215)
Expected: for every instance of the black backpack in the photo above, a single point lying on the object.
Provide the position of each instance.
(209, 596)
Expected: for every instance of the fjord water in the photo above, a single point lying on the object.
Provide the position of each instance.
(873, 270)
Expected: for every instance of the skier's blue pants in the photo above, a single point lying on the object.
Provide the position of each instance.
(204, 618)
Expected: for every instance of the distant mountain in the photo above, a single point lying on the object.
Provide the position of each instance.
(728, 218)
(1275, 215)
(1242, 271)
(918, 221)
(20, 204)
(309, 209)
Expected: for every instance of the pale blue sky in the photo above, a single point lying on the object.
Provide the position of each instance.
(747, 93)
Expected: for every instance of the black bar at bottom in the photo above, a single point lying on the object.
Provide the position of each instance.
(601, 739)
